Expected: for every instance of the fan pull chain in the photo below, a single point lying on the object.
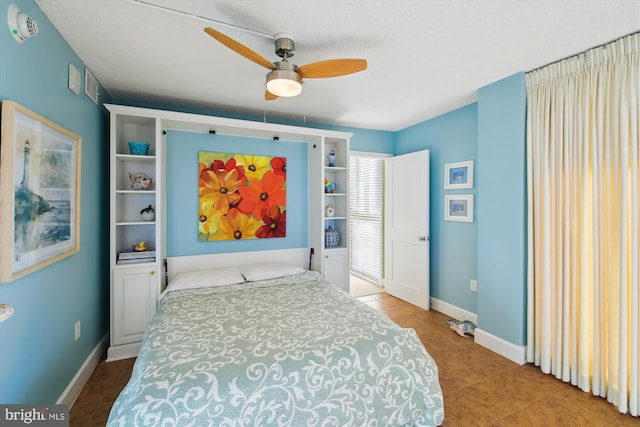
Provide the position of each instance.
(304, 115)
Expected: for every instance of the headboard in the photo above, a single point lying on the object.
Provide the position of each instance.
(179, 264)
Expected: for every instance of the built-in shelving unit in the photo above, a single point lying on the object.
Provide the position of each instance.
(129, 227)
(339, 175)
(336, 258)
(135, 287)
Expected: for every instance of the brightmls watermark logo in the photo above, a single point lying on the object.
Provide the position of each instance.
(34, 415)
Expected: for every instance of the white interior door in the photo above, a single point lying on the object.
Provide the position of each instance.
(407, 228)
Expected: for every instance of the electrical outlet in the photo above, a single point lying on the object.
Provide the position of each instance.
(77, 330)
(474, 286)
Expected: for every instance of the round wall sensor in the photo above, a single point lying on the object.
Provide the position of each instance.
(21, 26)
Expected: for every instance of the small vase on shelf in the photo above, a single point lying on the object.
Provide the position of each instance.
(331, 238)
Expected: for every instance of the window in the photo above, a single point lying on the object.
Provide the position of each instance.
(365, 215)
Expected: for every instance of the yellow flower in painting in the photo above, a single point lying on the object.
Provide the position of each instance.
(208, 219)
(254, 166)
(219, 189)
(236, 226)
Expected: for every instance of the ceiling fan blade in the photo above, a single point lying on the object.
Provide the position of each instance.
(332, 68)
(269, 96)
(240, 48)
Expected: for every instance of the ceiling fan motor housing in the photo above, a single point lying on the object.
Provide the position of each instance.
(285, 45)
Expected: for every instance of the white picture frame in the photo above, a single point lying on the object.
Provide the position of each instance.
(458, 175)
(458, 207)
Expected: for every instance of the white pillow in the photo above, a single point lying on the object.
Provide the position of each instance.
(271, 270)
(205, 279)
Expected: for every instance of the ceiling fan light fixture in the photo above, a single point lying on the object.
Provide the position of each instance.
(284, 83)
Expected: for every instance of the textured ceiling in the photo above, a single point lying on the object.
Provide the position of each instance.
(424, 57)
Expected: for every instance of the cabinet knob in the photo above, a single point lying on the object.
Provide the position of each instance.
(326, 256)
(153, 272)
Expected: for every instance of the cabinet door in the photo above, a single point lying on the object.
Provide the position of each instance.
(134, 303)
(335, 268)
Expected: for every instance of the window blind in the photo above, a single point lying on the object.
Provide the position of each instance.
(365, 216)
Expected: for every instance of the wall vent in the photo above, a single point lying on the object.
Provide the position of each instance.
(91, 86)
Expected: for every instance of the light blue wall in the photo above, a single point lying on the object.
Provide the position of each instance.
(38, 354)
(502, 211)
(182, 191)
(451, 137)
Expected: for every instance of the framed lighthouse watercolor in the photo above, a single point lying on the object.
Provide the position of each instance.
(40, 198)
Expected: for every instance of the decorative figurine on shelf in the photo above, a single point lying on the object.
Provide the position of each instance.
(140, 247)
(330, 186)
(139, 180)
(329, 211)
(148, 213)
(331, 238)
(331, 158)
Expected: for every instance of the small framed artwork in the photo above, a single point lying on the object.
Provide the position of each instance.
(40, 202)
(458, 175)
(458, 207)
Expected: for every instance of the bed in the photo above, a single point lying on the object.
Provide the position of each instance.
(271, 343)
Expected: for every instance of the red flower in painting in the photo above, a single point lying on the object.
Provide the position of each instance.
(201, 168)
(275, 223)
(279, 165)
(219, 165)
(260, 195)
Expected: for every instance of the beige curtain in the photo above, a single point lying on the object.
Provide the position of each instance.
(583, 127)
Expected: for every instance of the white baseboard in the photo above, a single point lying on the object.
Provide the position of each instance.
(516, 353)
(496, 344)
(71, 393)
(123, 351)
(453, 311)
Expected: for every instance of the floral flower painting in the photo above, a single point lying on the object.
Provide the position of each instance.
(241, 196)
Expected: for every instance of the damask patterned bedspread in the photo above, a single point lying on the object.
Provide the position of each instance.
(294, 351)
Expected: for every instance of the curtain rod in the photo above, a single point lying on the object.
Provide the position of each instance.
(583, 52)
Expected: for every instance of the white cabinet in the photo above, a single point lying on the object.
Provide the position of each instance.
(135, 301)
(135, 283)
(335, 267)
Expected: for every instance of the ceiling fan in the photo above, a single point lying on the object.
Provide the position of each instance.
(285, 78)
